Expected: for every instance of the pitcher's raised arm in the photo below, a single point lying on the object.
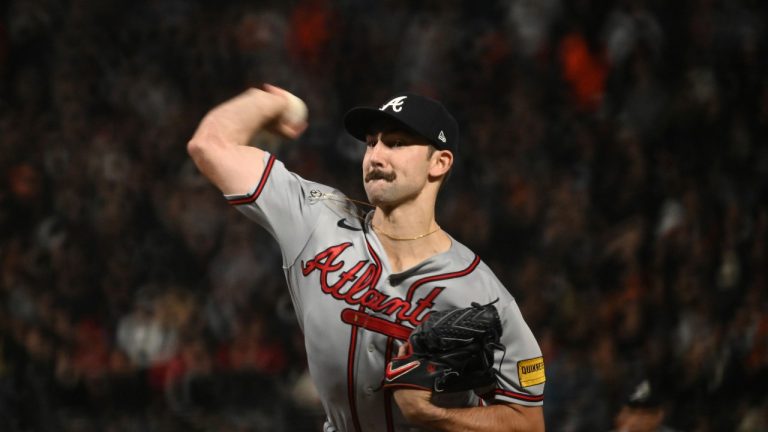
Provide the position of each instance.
(220, 148)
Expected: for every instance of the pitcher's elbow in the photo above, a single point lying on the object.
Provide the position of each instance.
(195, 148)
(199, 150)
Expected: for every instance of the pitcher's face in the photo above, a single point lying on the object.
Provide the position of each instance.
(395, 167)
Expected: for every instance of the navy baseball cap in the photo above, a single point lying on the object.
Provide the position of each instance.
(417, 114)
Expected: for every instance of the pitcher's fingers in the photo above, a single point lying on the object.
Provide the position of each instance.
(291, 131)
(275, 90)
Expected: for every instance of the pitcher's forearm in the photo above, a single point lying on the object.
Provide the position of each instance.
(235, 121)
(418, 409)
(508, 418)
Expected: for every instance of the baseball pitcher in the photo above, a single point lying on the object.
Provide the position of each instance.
(405, 328)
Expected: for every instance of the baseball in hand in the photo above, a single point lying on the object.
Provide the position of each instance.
(295, 111)
(292, 121)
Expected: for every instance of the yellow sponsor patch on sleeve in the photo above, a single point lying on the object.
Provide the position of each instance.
(531, 372)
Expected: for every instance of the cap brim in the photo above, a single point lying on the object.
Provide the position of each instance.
(360, 121)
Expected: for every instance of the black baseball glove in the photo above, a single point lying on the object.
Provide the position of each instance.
(450, 351)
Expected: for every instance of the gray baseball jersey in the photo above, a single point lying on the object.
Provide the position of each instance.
(355, 312)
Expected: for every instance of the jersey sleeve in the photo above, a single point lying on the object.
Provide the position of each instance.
(281, 203)
(521, 373)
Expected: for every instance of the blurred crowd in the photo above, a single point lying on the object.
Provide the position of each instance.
(613, 172)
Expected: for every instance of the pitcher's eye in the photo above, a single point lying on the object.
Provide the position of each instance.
(394, 142)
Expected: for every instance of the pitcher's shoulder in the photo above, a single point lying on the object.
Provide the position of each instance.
(484, 282)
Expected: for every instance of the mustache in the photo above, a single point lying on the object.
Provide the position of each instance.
(379, 175)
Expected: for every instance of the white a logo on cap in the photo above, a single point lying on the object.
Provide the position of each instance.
(396, 104)
(441, 137)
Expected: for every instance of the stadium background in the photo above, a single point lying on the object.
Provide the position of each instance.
(614, 174)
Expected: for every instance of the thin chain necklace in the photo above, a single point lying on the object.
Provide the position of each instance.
(391, 237)
(321, 195)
